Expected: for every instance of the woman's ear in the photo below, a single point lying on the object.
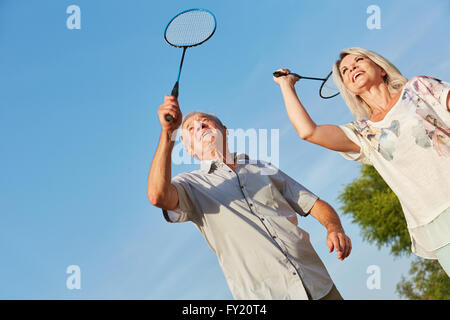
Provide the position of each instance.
(383, 74)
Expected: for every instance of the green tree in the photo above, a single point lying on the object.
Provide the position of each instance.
(428, 282)
(376, 209)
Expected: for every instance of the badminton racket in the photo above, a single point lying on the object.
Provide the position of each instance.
(188, 29)
(327, 89)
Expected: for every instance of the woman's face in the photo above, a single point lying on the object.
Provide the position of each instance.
(359, 73)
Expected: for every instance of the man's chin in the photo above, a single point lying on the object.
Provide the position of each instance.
(210, 153)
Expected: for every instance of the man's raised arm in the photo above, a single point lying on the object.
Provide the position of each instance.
(160, 190)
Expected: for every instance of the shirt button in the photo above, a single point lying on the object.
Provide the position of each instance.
(274, 237)
(294, 273)
(262, 219)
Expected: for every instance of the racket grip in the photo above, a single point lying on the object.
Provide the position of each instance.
(278, 74)
(174, 93)
(175, 90)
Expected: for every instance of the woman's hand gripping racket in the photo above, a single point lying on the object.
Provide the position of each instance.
(326, 91)
(187, 29)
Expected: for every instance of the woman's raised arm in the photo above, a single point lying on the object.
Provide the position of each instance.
(328, 136)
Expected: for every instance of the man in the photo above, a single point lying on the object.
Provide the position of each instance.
(247, 216)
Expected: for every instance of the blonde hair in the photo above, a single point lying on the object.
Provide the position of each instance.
(393, 79)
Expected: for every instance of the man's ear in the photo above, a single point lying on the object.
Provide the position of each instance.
(187, 147)
(189, 150)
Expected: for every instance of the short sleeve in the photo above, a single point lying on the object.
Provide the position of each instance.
(298, 197)
(433, 91)
(188, 207)
(352, 132)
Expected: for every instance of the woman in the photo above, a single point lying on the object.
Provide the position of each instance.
(402, 129)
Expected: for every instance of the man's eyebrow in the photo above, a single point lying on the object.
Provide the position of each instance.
(201, 118)
(189, 122)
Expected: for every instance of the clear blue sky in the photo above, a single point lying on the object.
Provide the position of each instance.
(79, 129)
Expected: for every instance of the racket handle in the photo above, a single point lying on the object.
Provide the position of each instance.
(278, 74)
(174, 93)
(175, 90)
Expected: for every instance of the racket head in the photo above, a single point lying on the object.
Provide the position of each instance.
(190, 28)
(328, 89)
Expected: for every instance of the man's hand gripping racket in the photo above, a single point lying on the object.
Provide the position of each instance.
(170, 108)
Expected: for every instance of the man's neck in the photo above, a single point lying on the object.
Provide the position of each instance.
(227, 158)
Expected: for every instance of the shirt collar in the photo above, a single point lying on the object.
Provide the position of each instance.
(211, 165)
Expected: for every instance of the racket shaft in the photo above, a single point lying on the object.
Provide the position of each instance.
(175, 90)
(310, 78)
(181, 64)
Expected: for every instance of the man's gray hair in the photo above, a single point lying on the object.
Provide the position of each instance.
(210, 115)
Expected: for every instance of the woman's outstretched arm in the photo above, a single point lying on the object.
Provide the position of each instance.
(328, 136)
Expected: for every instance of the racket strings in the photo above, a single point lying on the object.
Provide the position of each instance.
(190, 28)
(329, 88)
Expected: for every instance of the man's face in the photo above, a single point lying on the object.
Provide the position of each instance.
(203, 138)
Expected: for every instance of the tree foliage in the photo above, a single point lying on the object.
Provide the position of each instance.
(376, 209)
(428, 282)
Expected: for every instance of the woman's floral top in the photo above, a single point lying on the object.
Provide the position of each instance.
(410, 148)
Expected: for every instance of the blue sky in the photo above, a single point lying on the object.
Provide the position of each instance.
(79, 129)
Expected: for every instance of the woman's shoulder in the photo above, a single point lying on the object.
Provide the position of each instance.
(424, 84)
(424, 78)
(425, 87)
